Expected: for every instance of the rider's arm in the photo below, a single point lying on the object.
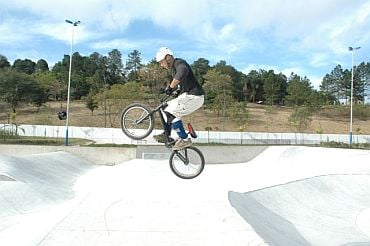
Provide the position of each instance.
(174, 83)
(181, 73)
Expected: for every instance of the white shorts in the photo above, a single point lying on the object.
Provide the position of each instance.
(184, 104)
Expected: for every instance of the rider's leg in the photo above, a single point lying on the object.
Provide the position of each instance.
(162, 137)
(183, 140)
(181, 106)
(179, 128)
(170, 118)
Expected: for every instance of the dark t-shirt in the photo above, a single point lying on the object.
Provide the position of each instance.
(188, 83)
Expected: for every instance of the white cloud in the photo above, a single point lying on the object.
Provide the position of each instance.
(9, 34)
(119, 43)
(310, 35)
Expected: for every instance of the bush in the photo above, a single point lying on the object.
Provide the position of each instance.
(333, 144)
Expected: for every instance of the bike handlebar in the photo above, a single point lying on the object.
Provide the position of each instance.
(165, 97)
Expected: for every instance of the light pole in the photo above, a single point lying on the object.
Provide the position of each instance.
(69, 75)
(350, 124)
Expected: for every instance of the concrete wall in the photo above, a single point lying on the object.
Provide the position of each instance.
(212, 154)
(115, 135)
(115, 155)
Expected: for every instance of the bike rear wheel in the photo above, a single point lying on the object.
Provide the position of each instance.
(136, 121)
(187, 163)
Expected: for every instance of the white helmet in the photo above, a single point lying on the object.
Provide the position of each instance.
(162, 52)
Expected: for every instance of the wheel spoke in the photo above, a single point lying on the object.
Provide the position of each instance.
(136, 121)
(187, 163)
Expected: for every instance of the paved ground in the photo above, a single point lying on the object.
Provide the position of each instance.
(285, 196)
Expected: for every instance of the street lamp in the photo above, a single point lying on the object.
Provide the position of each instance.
(69, 75)
(350, 124)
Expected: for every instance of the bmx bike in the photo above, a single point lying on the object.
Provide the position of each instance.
(137, 122)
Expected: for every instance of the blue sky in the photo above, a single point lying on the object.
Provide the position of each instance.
(307, 37)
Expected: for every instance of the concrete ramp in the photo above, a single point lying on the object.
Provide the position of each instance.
(51, 175)
(287, 196)
(32, 189)
(323, 210)
(308, 196)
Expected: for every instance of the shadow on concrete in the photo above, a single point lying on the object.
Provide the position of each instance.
(315, 211)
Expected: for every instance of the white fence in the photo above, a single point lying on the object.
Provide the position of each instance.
(115, 135)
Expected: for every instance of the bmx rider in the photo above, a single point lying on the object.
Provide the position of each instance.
(189, 99)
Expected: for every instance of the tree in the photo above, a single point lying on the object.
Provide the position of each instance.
(153, 77)
(52, 87)
(91, 102)
(16, 87)
(4, 62)
(118, 96)
(98, 73)
(253, 87)
(200, 67)
(24, 66)
(300, 119)
(272, 84)
(363, 71)
(299, 90)
(236, 79)
(239, 112)
(114, 67)
(333, 84)
(133, 65)
(218, 89)
(41, 66)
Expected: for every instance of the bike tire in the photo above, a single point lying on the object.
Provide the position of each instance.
(193, 168)
(131, 115)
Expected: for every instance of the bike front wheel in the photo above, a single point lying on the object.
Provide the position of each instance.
(187, 163)
(137, 122)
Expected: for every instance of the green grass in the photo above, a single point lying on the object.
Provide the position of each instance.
(333, 144)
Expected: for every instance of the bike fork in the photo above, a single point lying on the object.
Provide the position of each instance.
(184, 158)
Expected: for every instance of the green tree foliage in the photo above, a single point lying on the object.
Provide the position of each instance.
(333, 84)
(299, 90)
(113, 99)
(253, 87)
(41, 66)
(237, 79)
(300, 119)
(239, 112)
(218, 89)
(200, 68)
(114, 70)
(362, 81)
(24, 66)
(337, 84)
(4, 62)
(154, 78)
(16, 88)
(91, 102)
(273, 85)
(97, 67)
(133, 65)
(52, 87)
(98, 75)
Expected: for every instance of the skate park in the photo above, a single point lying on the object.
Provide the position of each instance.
(255, 195)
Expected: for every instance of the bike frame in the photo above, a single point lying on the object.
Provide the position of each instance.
(188, 156)
(160, 109)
